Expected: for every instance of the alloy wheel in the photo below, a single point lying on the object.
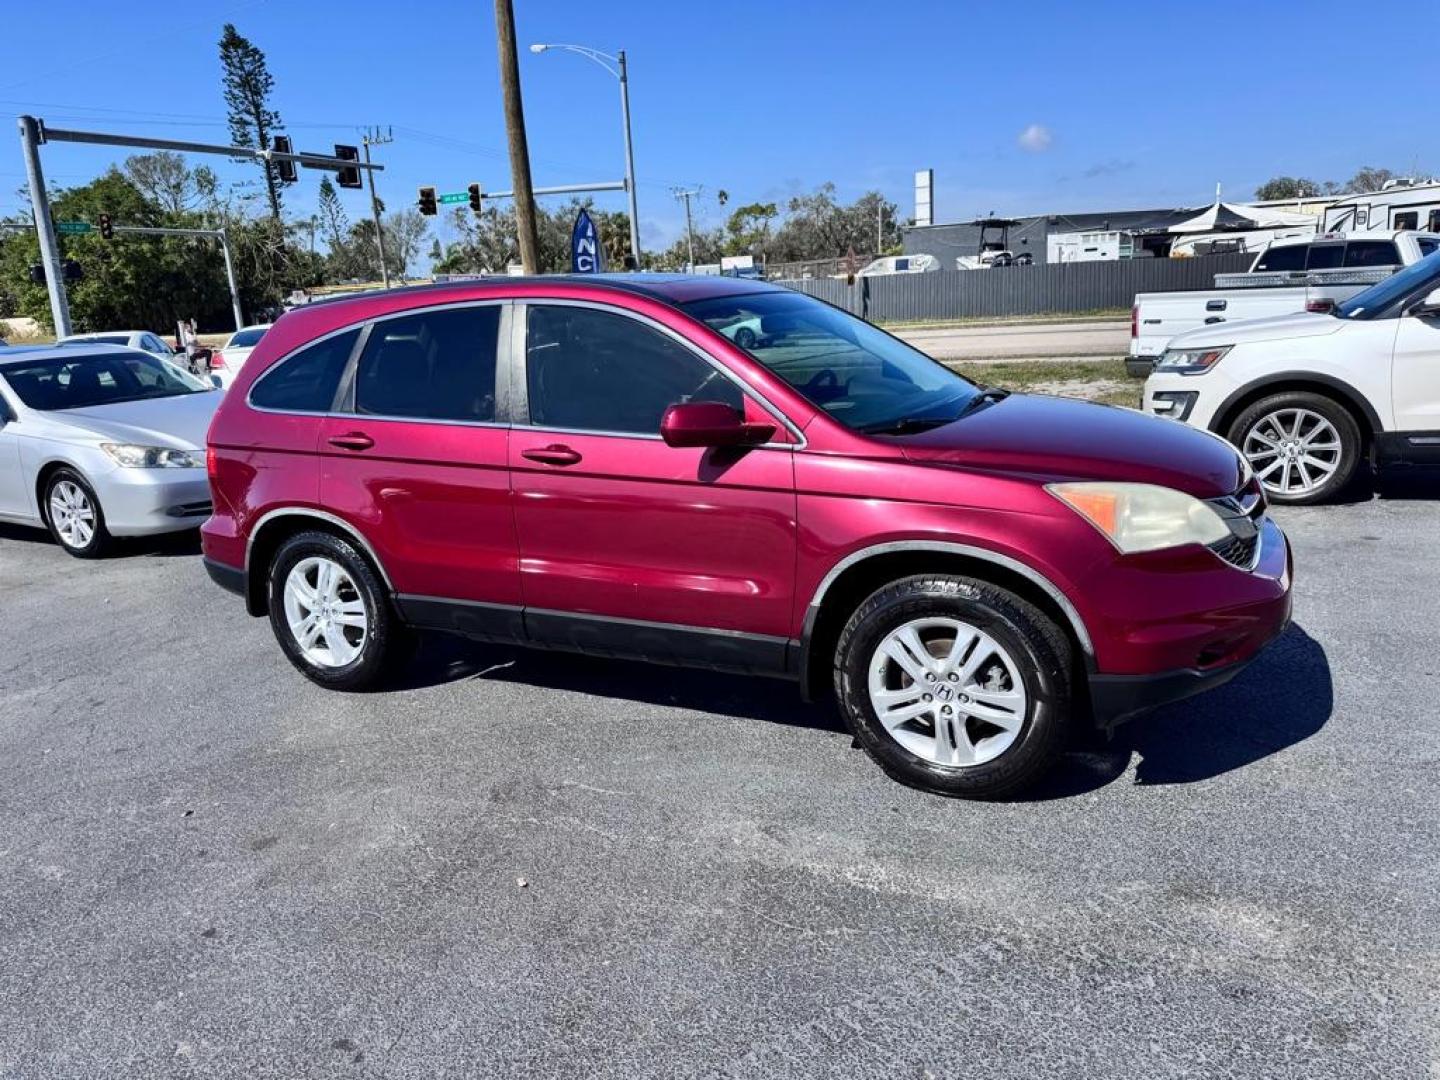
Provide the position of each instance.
(947, 692)
(72, 514)
(325, 612)
(1293, 451)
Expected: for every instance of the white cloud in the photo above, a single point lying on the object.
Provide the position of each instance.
(1036, 138)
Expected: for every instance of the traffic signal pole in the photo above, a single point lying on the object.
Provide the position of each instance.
(33, 133)
(44, 226)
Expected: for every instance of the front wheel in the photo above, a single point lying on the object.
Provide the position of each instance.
(1303, 447)
(955, 686)
(331, 614)
(74, 515)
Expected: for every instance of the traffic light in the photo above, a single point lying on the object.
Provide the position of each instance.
(71, 270)
(107, 230)
(347, 177)
(286, 169)
(477, 198)
(427, 201)
(37, 273)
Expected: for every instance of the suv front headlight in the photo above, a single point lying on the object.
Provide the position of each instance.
(133, 456)
(1192, 361)
(1143, 517)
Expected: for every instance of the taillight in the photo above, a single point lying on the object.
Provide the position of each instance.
(217, 361)
(212, 464)
(1134, 321)
(1320, 307)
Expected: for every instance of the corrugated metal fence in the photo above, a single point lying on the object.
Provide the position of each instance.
(1018, 290)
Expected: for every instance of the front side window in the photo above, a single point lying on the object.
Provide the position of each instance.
(306, 381)
(78, 382)
(861, 376)
(592, 370)
(435, 365)
(1361, 253)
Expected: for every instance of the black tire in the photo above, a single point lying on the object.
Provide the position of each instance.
(745, 337)
(1039, 648)
(1351, 444)
(384, 642)
(100, 540)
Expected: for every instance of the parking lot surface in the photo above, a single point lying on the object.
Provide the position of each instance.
(529, 864)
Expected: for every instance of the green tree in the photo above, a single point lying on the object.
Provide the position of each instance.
(748, 229)
(1287, 187)
(247, 84)
(334, 224)
(164, 179)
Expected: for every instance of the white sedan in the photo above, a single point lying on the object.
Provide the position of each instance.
(226, 363)
(143, 340)
(101, 441)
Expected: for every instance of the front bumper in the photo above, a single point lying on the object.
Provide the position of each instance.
(143, 502)
(1204, 637)
(1139, 367)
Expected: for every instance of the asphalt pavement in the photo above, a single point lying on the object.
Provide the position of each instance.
(1035, 340)
(535, 865)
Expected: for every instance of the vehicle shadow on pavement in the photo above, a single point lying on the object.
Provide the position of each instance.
(444, 658)
(166, 545)
(1281, 699)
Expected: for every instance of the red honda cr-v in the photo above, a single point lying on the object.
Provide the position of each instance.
(725, 474)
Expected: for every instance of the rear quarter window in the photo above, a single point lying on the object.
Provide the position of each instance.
(1288, 257)
(306, 381)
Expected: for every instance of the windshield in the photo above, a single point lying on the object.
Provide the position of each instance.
(863, 377)
(74, 382)
(246, 337)
(1379, 300)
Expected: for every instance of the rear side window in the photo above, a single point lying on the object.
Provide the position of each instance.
(1371, 253)
(589, 370)
(1325, 256)
(306, 381)
(1288, 257)
(436, 365)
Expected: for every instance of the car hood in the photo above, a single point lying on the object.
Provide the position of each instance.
(1062, 439)
(179, 422)
(1301, 324)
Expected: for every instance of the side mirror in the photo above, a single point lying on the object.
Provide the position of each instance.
(216, 383)
(709, 423)
(1430, 306)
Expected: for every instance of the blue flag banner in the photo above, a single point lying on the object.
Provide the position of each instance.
(585, 254)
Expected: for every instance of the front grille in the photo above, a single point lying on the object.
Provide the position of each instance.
(1244, 514)
(1237, 551)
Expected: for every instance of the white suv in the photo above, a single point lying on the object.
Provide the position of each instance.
(1305, 397)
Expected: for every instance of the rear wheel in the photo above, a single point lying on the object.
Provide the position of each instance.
(955, 685)
(331, 614)
(74, 515)
(1304, 447)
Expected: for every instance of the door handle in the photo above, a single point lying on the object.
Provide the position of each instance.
(353, 440)
(554, 454)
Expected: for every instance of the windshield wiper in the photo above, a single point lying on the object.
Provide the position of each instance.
(906, 425)
(986, 395)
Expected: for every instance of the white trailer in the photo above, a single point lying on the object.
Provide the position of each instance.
(1398, 206)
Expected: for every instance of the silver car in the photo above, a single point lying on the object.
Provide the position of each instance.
(98, 441)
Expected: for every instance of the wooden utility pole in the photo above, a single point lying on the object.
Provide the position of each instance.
(527, 237)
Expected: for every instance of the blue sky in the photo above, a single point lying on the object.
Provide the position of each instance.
(1125, 104)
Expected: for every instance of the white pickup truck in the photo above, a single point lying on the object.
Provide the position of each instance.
(1306, 397)
(1310, 273)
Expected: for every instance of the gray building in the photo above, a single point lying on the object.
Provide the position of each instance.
(1029, 235)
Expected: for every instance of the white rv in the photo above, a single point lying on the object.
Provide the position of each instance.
(1401, 204)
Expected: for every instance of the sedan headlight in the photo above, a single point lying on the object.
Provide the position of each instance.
(1143, 517)
(153, 457)
(1192, 361)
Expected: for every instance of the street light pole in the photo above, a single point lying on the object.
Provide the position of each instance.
(629, 162)
(621, 72)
